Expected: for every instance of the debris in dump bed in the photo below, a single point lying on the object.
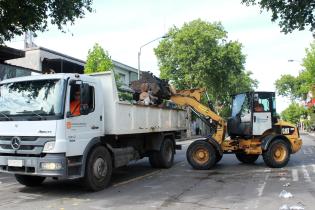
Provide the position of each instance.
(286, 185)
(285, 194)
(150, 89)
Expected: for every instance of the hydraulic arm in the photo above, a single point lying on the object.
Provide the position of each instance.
(191, 98)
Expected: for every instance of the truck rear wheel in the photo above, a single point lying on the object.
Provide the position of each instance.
(277, 154)
(165, 157)
(98, 170)
(30, 181)
(201, 155)
(248, 159)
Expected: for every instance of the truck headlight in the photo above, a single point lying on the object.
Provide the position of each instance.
(49, 146)
(51, 166)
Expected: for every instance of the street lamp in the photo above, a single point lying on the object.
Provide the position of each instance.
(292, 60)
(139, 53)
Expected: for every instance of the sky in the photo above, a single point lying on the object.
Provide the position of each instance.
(122, 26)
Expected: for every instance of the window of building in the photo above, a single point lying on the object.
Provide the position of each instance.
(122, 78)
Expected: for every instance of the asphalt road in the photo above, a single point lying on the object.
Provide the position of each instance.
(230, 185)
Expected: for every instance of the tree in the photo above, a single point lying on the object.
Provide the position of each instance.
(98, 60)
(198, 55)
(297, 88)
(292, 15)
(19, 16)
(294, 113)
(288, 86)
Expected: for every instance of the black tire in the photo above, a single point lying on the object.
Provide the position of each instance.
(29, 181)
(278, 154)
(247, 159)
(154, 159)
(98, 169)
(201, 155)
(165, 157)
(218, 157)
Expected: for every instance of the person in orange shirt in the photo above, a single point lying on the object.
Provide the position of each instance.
(75, 104)
(258, 107)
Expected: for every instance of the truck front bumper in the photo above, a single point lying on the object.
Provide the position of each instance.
(34, 165)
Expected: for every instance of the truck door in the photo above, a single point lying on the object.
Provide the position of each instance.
(83, 121)
(262, 119)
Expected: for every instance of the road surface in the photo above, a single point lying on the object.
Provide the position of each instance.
(230, 185)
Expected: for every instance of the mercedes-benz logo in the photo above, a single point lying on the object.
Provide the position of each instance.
(15, 142)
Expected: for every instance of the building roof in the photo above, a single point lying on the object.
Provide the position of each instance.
(116, 63)
(124, 66)
(7, 53)
(56, 53)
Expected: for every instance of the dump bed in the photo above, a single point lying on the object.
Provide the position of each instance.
(121, 117)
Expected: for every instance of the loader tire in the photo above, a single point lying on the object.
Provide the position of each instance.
(165, 157)
(247, 159)
(201, 155)
(98, 170)
(218, 157)
(277, 154)
(29, 181)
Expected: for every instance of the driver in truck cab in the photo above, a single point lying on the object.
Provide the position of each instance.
(75, 103)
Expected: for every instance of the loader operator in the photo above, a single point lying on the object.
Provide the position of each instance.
(75, 103)
(258, 107)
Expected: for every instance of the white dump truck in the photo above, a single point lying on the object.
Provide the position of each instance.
(40, 137)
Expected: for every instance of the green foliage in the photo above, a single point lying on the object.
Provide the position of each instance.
(309, 64)
(19, 16)
(292, 15)
(298, 87)
(288, 86)
(294, 113)
(98, 60)
(198, 55)
(125, 96)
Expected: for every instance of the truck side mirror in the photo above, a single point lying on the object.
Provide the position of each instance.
(85, 99)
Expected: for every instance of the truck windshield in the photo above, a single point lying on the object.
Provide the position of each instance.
(37, 98)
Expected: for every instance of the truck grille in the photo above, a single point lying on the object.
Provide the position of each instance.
(31, 145)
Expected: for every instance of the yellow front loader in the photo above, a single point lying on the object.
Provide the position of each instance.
(253, 129)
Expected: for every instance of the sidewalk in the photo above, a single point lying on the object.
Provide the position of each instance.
(311, 133)
(308, 133)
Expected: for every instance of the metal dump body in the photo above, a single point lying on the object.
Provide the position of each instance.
(121, 117)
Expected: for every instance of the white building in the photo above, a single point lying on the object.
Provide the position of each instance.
(45, 60)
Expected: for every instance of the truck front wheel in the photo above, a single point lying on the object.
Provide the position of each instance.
(98, 169)
(201, 155)
(165, 157)
(30, 181)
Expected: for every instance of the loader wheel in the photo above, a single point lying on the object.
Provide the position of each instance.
(218, 157)
(29, 181)
(277, 154)
(165, 157)
(201, 155)
(248, 159)
(98, 169)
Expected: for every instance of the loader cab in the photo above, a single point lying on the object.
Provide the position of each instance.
(252, 114)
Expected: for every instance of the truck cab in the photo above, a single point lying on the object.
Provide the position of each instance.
(37, 128)
(74, 126)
